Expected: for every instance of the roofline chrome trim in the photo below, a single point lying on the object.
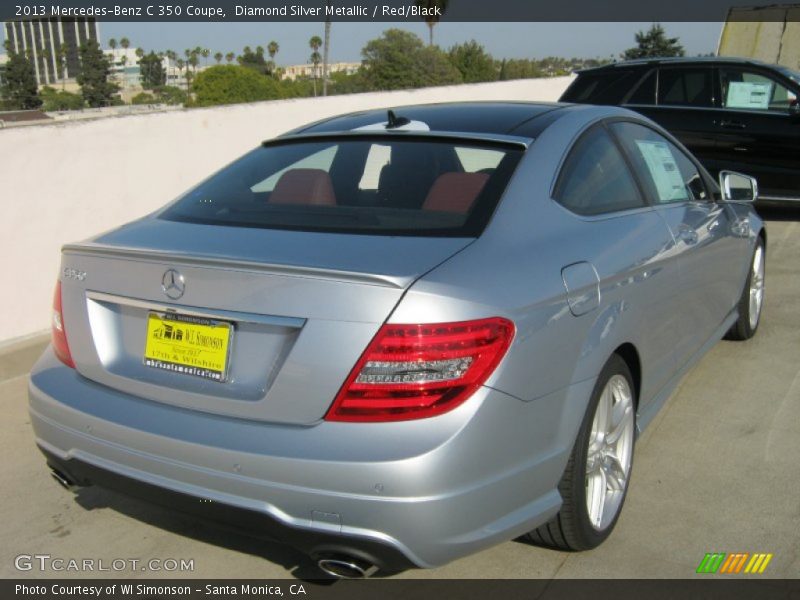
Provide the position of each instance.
(492, 138)
(137, 254)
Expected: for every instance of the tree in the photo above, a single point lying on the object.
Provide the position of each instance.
(144, 98)
(139, 53)
(229, 57)
(58, 100)
(230, 84)
(205, 53)
(473, 62)
(125, 43)
(272, 50)
(218, 57)
(654, 43)
(169, 94)
(315, 43)
(432, 12)
(96, 89)
(399, 60)
(19, 90)
(254, 60)
(151, 72)
(326, 51)
(180, 64)
(61, 59)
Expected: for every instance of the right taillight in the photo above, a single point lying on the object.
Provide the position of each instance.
(418, 371)
(59, 333)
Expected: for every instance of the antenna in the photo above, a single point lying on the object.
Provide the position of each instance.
(394, 121)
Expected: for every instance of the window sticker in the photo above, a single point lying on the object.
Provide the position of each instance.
(664, 169)
(749, 94)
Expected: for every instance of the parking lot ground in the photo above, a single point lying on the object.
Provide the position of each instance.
(717, 471)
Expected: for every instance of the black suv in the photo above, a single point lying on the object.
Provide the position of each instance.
(732, 113)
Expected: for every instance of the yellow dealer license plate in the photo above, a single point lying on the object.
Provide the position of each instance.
(188, 345)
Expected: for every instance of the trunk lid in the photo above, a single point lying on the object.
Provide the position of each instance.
(302, 308)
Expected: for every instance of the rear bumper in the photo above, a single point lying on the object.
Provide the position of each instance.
(418, 493)
(249, 522)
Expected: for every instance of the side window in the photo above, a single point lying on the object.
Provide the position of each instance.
(604, 87)
(685, 87)
(668, 173)
(595, 178)
(746, 90)
(645, 92)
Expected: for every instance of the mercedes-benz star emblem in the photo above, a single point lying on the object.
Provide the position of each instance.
(173, 284)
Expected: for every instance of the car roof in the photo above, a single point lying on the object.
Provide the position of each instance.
(523, 119)
(679, 60)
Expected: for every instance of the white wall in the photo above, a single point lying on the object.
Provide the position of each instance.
(65, 182)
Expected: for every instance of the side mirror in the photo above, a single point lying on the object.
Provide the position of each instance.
(737, 187)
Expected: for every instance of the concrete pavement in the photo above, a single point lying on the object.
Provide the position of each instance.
(718, 471)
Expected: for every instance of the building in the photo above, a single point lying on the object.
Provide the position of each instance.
(294, 71)
(43, 39)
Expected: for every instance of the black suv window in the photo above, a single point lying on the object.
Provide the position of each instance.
(604, 87)
(645, 92)
(595, 178)
(747, 90)
(685, 87)
(664, 169)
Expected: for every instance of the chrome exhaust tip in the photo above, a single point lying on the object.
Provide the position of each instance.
(346, 567)
(63, 480)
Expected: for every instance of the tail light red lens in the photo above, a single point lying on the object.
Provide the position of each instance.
(418, 371)
(59, 334)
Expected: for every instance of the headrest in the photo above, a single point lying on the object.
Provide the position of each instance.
(455, 192)
(304, 186)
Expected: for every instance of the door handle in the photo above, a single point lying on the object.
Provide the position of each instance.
(732, 124)
(688, 235)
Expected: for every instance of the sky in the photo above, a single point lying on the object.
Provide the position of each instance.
(502, 40)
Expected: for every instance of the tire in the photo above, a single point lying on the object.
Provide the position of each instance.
(576, 526)
(751, 301)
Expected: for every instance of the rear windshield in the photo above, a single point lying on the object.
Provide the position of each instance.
(369, 185)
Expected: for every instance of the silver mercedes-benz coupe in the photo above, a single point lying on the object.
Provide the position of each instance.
(394, 338)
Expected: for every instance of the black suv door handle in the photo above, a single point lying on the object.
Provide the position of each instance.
(732, 124)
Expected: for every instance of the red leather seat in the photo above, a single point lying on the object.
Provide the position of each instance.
(304, 186)
(455, 192)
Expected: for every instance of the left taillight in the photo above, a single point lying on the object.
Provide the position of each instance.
(418, 371)
(59, 333)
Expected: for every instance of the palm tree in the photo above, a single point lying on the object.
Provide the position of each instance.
(315, 43)
(139, 53)
(272, 49)
(180, 63)
(326, 51)
(123, 61)
(205, 53)
(432, 19)
(229, 57)
(125, 43)
(61, 59)
(112, 43)
(218, 57)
